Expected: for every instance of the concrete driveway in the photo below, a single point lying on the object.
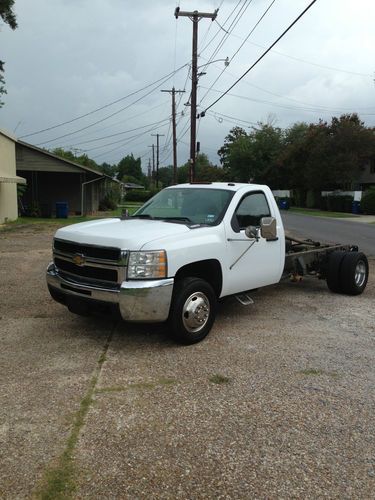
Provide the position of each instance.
(277, 402)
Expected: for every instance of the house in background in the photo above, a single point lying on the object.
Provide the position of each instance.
(367, 176)
(8, 178)
(52, 179)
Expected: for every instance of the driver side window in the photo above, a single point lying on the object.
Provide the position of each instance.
(250, 211)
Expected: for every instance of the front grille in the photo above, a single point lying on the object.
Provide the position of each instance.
(96, 252)
(96, 273)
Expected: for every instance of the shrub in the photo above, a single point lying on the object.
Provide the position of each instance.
(312, 199)
(138, 195)
(111, 198)
(107, 203)
(339, 203)
(368, 202)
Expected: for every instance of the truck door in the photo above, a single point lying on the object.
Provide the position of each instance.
(250, 263)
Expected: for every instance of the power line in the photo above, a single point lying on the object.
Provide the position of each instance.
(253, 29)
(317, 106)
(102, 107)
(126, 143)
(109, 116)
(214, 113)
(121, 140)
(127, 120)
(218, 31)
(231, 27)
(263, 55)
(298, 59)
(262, 89)
(284, 106)
(119, 133)
(240, 47)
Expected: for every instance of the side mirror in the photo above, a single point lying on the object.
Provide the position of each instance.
(268, 228)
(252, 232)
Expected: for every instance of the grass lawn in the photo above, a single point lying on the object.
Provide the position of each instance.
(74, 219)
(321, 213)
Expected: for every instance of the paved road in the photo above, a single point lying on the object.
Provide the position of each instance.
(332, 230)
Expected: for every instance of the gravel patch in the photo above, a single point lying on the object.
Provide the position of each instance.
(277, 402)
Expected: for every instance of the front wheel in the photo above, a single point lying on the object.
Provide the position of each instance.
(193, 310)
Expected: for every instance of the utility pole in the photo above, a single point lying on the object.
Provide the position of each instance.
(153, 161)
(195, 17)
(174, 92)
(149, 170)
(157, 157)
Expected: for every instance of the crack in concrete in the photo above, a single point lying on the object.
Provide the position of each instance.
(58, 481)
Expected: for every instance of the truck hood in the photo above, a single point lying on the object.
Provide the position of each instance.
(124, 234)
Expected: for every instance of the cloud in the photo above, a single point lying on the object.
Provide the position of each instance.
(70, 57)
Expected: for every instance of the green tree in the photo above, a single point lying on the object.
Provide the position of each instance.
(183, 173)
(205, 171)
(266, 145)
(165, 176)
(107, 169)
(292, 173)
(9, 18)
(253, 156)
(328, 155)
(224, 152)
(130, 166)
(82, 159)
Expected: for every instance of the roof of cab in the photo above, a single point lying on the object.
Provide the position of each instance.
(230, 186)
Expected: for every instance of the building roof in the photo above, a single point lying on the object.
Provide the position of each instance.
(131, 185)
(56, 157)
(52, 155)
(7, 134)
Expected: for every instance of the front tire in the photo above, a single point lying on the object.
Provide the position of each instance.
(193, 310)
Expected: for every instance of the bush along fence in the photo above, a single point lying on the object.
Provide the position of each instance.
(346, 202)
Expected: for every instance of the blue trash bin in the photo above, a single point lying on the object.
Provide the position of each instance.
(284, 204)
(356, 207)
(62, 210)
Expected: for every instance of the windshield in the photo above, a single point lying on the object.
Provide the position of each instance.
(189, 205)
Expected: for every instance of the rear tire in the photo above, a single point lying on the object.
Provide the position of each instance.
(193, 310)
(354, 273)
(334, 271)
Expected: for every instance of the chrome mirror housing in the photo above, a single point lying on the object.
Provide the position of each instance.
(268, 228)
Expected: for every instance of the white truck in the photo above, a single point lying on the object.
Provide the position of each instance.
(186, 248)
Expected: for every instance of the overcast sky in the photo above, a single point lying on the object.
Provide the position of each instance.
(70, 57)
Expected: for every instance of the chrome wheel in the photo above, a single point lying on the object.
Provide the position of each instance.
(195, 312)
(360, 273)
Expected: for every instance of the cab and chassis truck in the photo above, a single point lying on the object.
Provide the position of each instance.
(184, 250)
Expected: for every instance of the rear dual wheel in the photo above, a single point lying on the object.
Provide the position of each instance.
(347, 272)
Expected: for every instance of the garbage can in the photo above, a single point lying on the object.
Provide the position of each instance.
(284, 204)
(356, 207)
(62, 210)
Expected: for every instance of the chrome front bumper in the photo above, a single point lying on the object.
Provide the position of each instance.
(142, 301)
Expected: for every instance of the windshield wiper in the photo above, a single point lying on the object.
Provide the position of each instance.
(142, 216)
(182, 219)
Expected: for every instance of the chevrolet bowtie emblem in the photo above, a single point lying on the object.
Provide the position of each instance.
(79, 259)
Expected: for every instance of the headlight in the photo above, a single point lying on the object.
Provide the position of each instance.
(147, 265)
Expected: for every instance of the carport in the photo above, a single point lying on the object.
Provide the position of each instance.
(51, 179)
